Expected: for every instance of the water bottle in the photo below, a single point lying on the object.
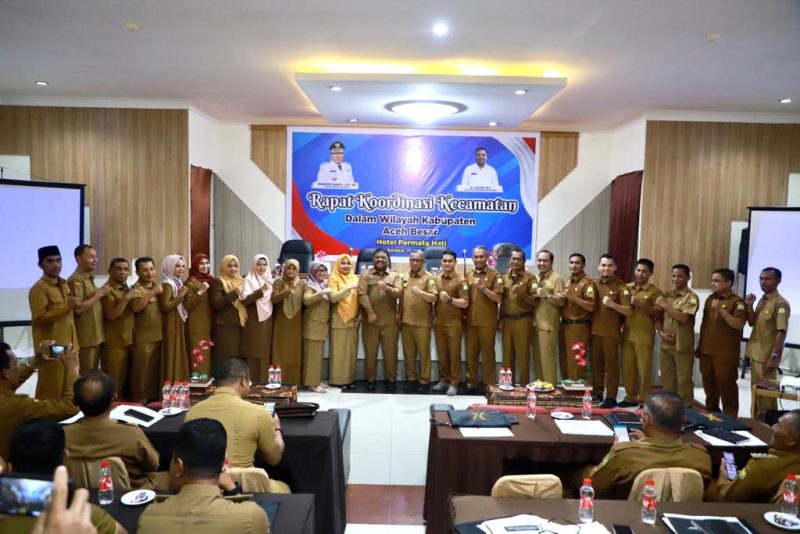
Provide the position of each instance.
(586, 504)
(175, 395)
(586, 407)
(789, 502)
(105, 486)
(271, 375)
(185, 396)
(166, 401)
(649, 502)
(531, 404)
(278, 377)
(509, 378)
(502, 378)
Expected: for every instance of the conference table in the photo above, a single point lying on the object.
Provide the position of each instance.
(312, 462)
(465, 510)
(471, 466)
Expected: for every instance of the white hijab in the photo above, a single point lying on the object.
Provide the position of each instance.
(168, 277)
(253, 282)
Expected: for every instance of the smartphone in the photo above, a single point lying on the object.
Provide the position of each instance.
(730, 465)
(29, 495)
(622, 529)
(57, 351)
(136, 414)
(622, 434)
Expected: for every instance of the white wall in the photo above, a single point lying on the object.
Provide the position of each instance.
(225, 149)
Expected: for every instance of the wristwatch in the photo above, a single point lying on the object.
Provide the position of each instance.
(774, 356)
(237, 489)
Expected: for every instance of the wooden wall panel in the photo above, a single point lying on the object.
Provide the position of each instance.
(700, 176)
(559, 156)
(134, 162)
(268, 151)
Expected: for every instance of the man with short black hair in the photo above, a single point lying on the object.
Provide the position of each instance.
(147, 333)
(453, 299)
(118, 325)
(89, 311)
(197, 461)
(546, 318)
(97, 436)
(580, 295)
(486, 292)
(516, 312)
(416, 314)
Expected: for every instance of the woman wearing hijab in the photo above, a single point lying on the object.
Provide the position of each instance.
(287, 336)
(316, 320)
(176, 359)
(230, 315)
(198, 325)
(344, 324)
(256, 344)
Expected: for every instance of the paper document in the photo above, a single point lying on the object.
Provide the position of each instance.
(486, 432)
(752, 441)
(138, 415)
(704, 523)
(584, 428)
(534, 523)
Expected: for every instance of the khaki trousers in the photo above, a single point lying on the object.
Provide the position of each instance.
(516, 348)
(89, 358)
(312, 362)
(417, 340)
(605, 366)
(386, 337)
(574, 333)
(676, 373)
(145, 371)
(114, 362)
(719, 381)
(448, 350)
(545, 359)
(480, 340)
(758, 370)
(637, 371)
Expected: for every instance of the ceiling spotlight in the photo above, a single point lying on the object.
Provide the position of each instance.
(492, 124)
(425, 111)
(520, 92)
(712, 37)
(440, 29)
(785, 100)
(41, 82)
(131, 26)
(352, 120)
(335, 88)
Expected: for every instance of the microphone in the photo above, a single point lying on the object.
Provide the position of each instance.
(351, 251)
(464, 254)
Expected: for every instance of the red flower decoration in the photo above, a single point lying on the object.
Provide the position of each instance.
(199, 352)
(579, 350)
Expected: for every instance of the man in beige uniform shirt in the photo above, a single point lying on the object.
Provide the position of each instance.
(639, 336)
(118, 325)
(378, 291)
(453, 299)
(147, 333)
(486, 292)
(576, 314)
(515, 314)
(614, 304)
(51, 303)
(416, 314)
(550, 299)
(676, 329)
(89, 312)
(770, 322)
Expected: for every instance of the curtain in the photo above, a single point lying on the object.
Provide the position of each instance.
(626, 197)
(200, 210)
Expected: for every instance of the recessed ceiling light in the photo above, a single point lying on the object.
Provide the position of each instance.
(492, 123)
(520, 92)
(425, 111)
(41, 82)
(785, 100)
(335, 88)
(712, 37)
(131, 26)
(352, 120)
(440, 29)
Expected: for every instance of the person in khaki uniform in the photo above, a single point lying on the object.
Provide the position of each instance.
(580, 297)
(378, 291)
(550, 299)
(316, 322)
(639, 336)
(249, 426)
(416, 313)
(194, 472)
(14, 409)
(657, 445)
(516, 311)
(229, 313)
(174, 356)
(761, 478)
(89, 312)
(147, 333)
(287, 328)
(51, 302)
(255, 344)
(96, 436)
(198, 325)
(724, 316)
(486, 292)
(676, 329)
(118, 325)
(453, 300)
(607, 319)
(770, 322)
(345, 318)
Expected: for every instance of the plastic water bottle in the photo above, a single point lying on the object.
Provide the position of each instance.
(501, 382)
(105, 485)
(185, 396)
(649, 513)
(175, 395)
(586, 407)
(278, 377)
(586, 504)
(166, 400)
(789, 501)
(509, 378)
(271, 375)
(531, 404)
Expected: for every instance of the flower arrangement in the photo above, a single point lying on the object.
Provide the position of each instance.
(579, 352)
(199, 354)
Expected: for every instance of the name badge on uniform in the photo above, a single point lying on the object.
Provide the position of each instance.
(781, 311)
(534, 285)
(626, 292)
(740, 306)
(431, 283)
(464, 286)
(589, 290)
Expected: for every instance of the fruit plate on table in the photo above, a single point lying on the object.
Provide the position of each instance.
(574, 385)
(540, 386)
(782, 521)
(138, 497)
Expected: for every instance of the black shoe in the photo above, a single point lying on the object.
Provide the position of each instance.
(626, 404)
(609, 403)
(423, 388)
(472, 391)
(371, 386)
(390, 387)
(408, 385)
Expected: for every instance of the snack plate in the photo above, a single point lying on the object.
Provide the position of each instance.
(561, 415)
(138, 497)
(273, 386)
(170, 411)
(782, 521)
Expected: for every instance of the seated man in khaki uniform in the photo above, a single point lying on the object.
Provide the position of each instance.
(194, 472)
(249, 426)
(14, 409)
(658, 445)
(761, 478)
(96, 436)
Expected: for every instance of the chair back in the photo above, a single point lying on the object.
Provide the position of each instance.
(433, 257)
(85, 472)
(503, 251)
(252, 479)
(297, 249)
(528, 487)
(673, 484)
(364, 260)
